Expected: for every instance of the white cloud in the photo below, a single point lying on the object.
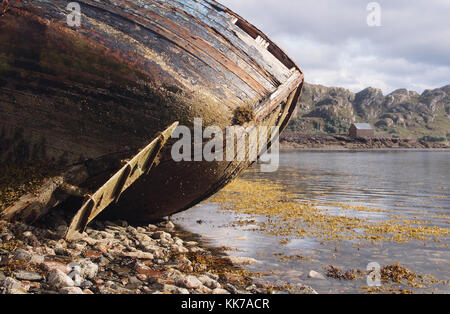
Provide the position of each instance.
(332, 42)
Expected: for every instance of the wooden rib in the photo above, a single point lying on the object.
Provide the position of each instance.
(112, 190)
(279, 95)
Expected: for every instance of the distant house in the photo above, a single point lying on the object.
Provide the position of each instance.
(364, 130)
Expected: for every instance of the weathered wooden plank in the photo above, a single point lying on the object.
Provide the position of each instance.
(111, 191)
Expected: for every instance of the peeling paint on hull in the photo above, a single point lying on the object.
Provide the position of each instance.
(68, 95)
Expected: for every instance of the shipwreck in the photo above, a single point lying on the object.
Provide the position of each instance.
(92, 107)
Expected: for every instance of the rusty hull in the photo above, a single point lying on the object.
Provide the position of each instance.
(69, 95)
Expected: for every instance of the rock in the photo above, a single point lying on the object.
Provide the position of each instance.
(86, 284)
(147, 271)
(232, 278)
(51, 265)
(76, 277)
(87, 291)
(152, 227)
(141, 277)
(240, 260)
(92, 254)
(37, 259)
(133, 283)
(301, 289)
(174, 289)
(232, 289)
(27, 234)
(78, 246)
(315, 275)
(74, 267)
(71, 290)
(29, 276)
(196, 249)
(88, 269)
(138, 255)
(178, 241)
(219, 291)
(44, 250)
(161, 235)
(22, 255)
(213, 276)
(190, 282)
(13, 286)
(209, 282)
(203, 290)
(169, 225)
(165, 242)
(178, 249)
(59, 280)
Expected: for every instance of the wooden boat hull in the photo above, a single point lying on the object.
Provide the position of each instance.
(70, 95)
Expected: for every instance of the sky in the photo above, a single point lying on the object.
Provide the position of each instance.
(332, 42)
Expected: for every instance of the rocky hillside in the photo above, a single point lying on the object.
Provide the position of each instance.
(403, 113)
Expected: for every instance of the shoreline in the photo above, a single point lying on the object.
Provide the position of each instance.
(116, 258)
(290, 140)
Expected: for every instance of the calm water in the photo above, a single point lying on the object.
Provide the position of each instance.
(401, 181)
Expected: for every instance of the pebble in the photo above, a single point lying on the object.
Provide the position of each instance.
(120, 259)
(13, 286)
(241, 261)
(37, 259)
(315, 275)
(52, 265)
(220, 291)
(190, 282)
(86, 284)
(76, 277)
(26, 275)
(161, 235)
(175, 290)
(133, 283)
(88, 269)
(59, 280)
(21, 255)
(169, 225)
(71, 290)
(209, 282)
(139, 255)
(301, 289)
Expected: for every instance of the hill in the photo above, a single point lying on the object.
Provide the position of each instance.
(401, 114)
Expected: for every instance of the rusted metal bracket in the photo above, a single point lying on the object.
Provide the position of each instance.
(111, 191)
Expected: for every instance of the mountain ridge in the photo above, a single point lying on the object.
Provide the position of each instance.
(401, 113)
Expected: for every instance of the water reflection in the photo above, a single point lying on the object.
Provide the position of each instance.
(391, 182)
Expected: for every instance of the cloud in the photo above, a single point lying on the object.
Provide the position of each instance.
(334, 45)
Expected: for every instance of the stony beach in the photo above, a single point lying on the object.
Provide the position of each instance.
(115, 258)
(295, 140)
